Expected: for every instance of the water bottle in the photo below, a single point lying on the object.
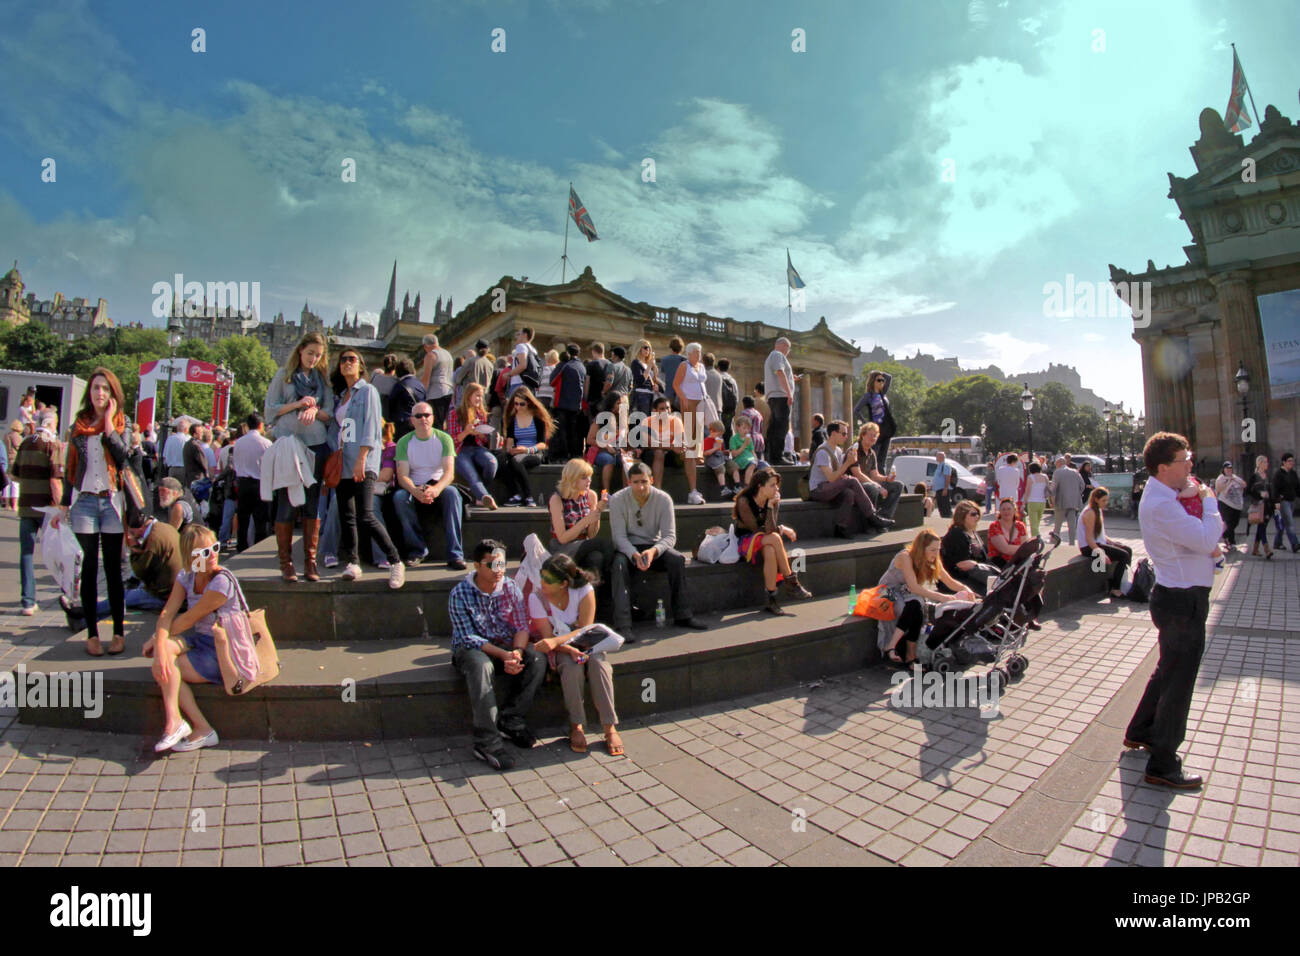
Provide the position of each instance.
(660, 615)
(853, 598)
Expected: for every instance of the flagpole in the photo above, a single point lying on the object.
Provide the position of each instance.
(564, 259)
(789, 315)
(1258, 119)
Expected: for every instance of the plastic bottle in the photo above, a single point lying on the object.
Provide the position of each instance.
(853, 598)
(660, 615)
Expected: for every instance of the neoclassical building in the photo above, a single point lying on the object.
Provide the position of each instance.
(584, 311)
(1242, 207)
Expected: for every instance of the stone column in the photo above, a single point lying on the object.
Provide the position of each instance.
(805, 410)
(848, 403)
(828, 397)
(1244, 343)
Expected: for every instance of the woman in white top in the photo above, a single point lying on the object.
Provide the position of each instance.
(1035, 496)
(545, 390)
(567, 603)
(1092, 537)
(689, 383)
(1230, 488)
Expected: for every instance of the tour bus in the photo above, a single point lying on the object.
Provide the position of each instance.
(966, 449)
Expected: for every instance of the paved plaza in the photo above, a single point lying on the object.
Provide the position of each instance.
(827, 772)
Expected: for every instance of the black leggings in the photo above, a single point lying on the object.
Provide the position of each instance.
(357, 511)
(1230, 517)
(112, 548)
(514, 472)
(911, 621)
(1120, 554)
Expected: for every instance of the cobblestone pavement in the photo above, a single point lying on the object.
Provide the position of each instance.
(821, 773)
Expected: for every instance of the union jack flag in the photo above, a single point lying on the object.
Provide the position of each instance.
(1236, 117)
(580, 216)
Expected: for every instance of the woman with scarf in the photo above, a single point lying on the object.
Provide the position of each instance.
(93, 503)
(299, 404)
(874, 406)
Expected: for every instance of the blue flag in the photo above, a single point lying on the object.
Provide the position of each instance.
(791, 276)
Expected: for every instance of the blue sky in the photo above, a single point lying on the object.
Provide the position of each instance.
(225, 165)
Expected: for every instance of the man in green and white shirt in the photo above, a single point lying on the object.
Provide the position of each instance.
(426, 465)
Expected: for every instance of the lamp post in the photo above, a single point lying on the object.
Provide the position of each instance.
(174, 329)
(1141, 436)
(1107, 413)
(1121, 419)
(1242, 378)
(1027, 403)
(221, 396)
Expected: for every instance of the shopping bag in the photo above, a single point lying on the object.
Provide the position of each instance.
(875, 603)
(62, 554)
(719, 547)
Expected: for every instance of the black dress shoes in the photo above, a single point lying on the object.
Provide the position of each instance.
(1132, 744)
(1175, 780)
(879, 523)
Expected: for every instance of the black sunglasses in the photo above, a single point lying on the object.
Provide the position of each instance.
(348, 360)
(422, 414)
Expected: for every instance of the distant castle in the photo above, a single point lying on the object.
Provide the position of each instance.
(76, 318)
(938, 370)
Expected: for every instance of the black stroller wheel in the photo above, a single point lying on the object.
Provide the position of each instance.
(998, 680)
(1016, 665)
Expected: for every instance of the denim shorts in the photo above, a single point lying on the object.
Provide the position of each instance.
(202, 656)
(94, 515)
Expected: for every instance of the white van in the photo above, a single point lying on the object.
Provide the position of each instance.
(916, 472)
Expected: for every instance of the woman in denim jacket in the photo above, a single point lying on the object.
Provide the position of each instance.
(299, 404)
(358, 415)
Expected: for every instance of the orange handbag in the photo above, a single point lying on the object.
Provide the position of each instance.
(875, 603)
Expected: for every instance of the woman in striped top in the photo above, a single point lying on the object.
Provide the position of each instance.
(528, 427)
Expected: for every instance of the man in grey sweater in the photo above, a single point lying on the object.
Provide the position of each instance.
(1067, 497)
(645, 529)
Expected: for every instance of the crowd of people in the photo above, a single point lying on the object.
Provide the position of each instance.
(373, 467)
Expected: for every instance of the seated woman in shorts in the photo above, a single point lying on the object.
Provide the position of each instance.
(178, 663)
(762, 536)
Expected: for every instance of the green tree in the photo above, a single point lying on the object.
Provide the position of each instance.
(907, 391)
(253, 367)
(32, 347)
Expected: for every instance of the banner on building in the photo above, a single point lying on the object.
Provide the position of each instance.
(1279, 316)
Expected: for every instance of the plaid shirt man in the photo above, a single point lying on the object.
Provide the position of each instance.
(477, 618)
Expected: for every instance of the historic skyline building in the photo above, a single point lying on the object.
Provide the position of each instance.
(582, 311)
(69, 319)
(1233, 304)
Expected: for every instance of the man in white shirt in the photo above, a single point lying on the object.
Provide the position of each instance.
(1008, 477)
(778, 388)
(246, 458)
(1181, 548)
(523, 346)
(174, 452)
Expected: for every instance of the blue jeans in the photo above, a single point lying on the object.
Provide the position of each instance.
(476, 466)
(415, 517)
(227, 518)
(1286, 510)
(27, 528)
(137, 599)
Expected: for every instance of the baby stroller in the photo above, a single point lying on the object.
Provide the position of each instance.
(992, 631)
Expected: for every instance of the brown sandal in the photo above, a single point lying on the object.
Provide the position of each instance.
(577, 741)
(117, 645)
(614, 744)
(94, 648)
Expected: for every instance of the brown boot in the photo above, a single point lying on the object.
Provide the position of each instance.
(284, 547)
(794, 588)
(310, 536)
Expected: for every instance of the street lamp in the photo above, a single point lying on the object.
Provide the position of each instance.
(174, 330)
(1141, 436)
(1121, 418)
(1027, 403)
(221, 396)
(1242, 379)
(1107, 413)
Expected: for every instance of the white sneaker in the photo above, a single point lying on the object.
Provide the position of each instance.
(176, 736)
(695, 498)
(330, 561)
(397, 575)
(209, 739)
(352, 572)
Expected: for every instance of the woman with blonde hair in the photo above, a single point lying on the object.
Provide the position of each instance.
(209, 590)
(545, 390)
(910, 582)
(689, 384)
(299, 404)
(473, 436)
(575, 520)
(528, 426)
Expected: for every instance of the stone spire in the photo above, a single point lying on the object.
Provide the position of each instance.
(391, 305)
